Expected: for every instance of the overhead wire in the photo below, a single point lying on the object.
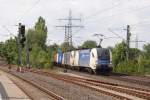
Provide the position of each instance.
(10, 33)
(88, 17)
(115, 33)
(23, 15)
(103, 10)
(138, 9)
(28, 10)
(124, 12)
(141, 22)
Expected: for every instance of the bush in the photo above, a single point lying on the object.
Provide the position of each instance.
(145, 63)
(129, 67)
(134, 67)
(40, 58)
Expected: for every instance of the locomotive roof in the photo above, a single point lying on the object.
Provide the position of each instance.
(98, 48)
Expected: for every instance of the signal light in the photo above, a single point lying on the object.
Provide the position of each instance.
(22, 35)
(22, 29)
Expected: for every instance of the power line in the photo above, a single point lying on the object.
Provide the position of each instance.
(101, 11)
(115, 33)
(4, 27)
(141, 22)
(137, 10)
(28, 10)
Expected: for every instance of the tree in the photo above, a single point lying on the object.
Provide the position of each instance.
(1, 49)
(145, 59)
(37, 35)
(119, 53)
(147, 50)
(134, 53)
(9, 50)
(136, 64)
(54, 46)
(39, 56)
(66, 47)
(89, 44)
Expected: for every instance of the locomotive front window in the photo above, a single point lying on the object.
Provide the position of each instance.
(103, 54)
(106, 53)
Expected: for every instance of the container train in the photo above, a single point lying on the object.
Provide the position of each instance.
(94, 60)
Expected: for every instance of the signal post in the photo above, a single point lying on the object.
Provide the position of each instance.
(21, 42)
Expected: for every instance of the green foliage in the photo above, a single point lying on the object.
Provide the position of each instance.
(37, 36)
(145, 63)
(54, 46)
(142, 66)
(65, 46)
(39, 56)
(147, 50)
(134, 53)
(8, 50)
(119, 53)
(138, 62)
(89, 44)
(127, 67)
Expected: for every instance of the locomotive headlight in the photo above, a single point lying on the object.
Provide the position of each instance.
(110, 65)
(111, 62)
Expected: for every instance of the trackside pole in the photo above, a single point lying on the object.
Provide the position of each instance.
(19, 49)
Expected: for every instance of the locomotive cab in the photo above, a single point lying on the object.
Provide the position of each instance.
(101, 59)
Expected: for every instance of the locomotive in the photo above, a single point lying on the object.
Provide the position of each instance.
(94, 60)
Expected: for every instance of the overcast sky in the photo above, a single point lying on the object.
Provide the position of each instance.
(98, 16)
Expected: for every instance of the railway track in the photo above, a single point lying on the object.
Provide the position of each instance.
(141, 80)
(136, 79)
(115, 90)
(64, 89)
(46, 91)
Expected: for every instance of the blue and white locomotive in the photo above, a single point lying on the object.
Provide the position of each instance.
(94, 60)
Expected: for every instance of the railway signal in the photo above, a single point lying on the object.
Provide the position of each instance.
(21, 43)
(22, 35)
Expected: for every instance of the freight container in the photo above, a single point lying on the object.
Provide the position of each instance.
(72, 58)
(63, 59)
(76, 59)
(67, 58)
(55, 57)
(59, 56)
